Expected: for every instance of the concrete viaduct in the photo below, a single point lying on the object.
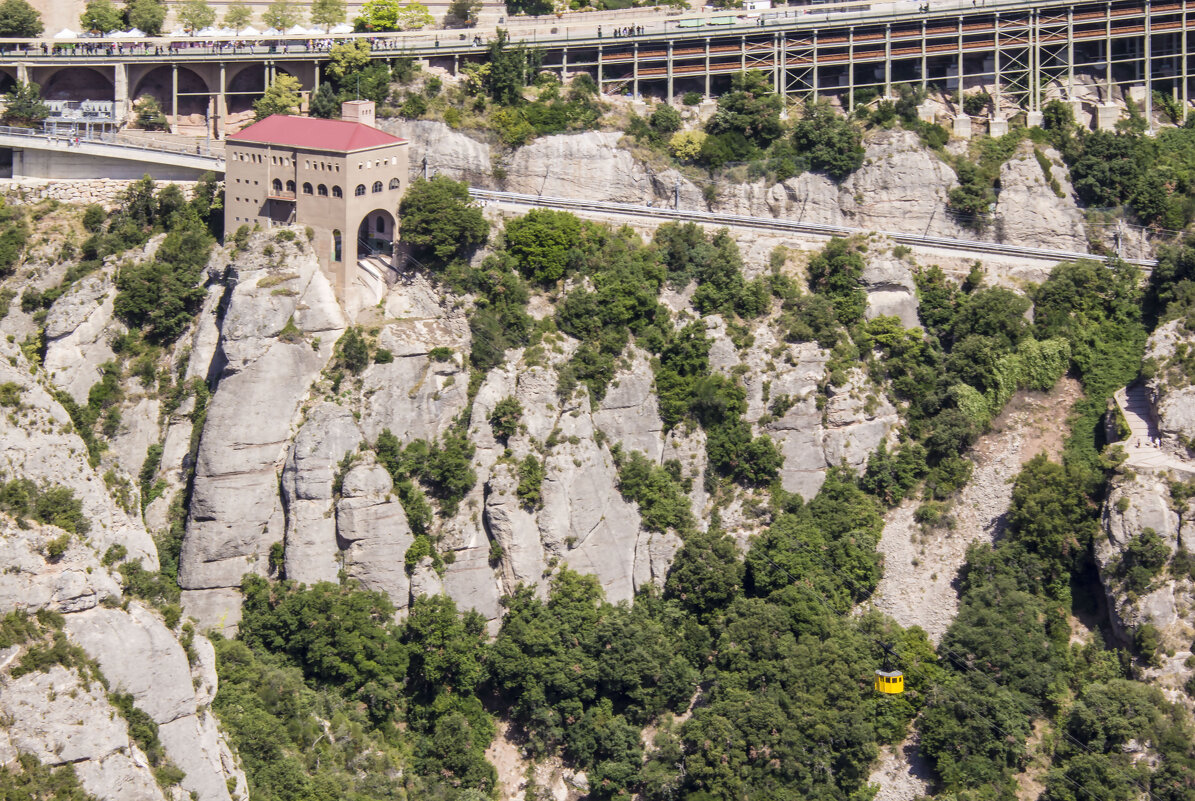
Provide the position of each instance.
(1029, 52)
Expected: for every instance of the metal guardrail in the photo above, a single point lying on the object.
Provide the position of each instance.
(202, 150)
(794, 226)
(573, 28)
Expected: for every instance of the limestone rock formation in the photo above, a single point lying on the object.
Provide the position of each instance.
(373, 527)
(891, 290)
(327, 436)
(589, 165)
(1028, 209)
(1171, 390)
(448, 152)
(38, 442)
(78, 329)
(140, 656)
(87, 733)
(272, 346)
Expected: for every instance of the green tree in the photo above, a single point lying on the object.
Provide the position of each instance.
(160, 296)
(832, 145)
(146, 15)
(327, 12)
(462, 13)
(837, 273)
(282, 97)
(508, 72)
(23, 105)
(665, 120)
(325, 103)
(102, 16)
(18, 19)
(346, 60)
(280, 15)
(707, 573)
(391, 15)
(379, 15)
(439, 220)
(195, 15)
(750, 108)
(149, 114)
(237, 15)
(1051, 516)
(505, 418)
(544, 243)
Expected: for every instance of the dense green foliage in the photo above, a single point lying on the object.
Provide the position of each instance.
(23, 499)
(658, 489)
(315, 688)
(439, 222)
(19, 19)
(23, 106)
(832, 145)
(30, 780)
(542, 243)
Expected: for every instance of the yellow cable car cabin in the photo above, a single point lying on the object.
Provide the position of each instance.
(890, 682)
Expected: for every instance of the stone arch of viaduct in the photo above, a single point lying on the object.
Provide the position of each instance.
(215, 97)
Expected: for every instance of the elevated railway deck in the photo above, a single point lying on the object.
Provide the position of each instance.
(1030, 51)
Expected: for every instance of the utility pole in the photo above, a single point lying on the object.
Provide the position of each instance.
(425, 168)
(676, 196)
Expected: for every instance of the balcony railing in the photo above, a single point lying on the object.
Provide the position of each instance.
(280, 194)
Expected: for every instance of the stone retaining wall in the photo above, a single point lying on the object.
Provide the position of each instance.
(104, 191)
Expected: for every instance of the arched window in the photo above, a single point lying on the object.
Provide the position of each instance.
(377, 186)
(290, 186)
(336, 192)
(360, 190)
(307, 190)
(322, 190)
(394, 183)
(277, 185)
(381, 224)
(336, 255)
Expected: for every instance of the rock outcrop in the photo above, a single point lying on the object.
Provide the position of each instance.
(1029, 210)
(273, 344)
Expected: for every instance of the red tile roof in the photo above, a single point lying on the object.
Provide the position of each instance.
(311, 132)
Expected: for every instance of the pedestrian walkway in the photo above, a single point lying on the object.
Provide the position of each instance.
(1143, 447)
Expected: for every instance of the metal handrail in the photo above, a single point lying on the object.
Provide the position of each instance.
(114, 139)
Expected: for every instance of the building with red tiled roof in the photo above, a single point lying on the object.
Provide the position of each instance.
(343, 178)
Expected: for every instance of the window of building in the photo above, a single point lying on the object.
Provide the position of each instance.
(377, 186)
(290, 186)
(336, 256)
(307, 190)
(322, 190)
(277, 185)
(336, 192)
(360, 190)
(394, 183)
(381, 224)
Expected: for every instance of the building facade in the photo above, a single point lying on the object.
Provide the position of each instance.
(343, 178)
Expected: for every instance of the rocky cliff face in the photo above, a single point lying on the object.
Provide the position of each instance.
(63, 712)
(285, 457)
(1149, 517)
(901, 187)
(281, 323)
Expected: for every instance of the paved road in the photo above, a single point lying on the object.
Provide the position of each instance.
(793, 226)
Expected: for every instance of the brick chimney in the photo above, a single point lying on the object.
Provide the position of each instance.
(358, 111)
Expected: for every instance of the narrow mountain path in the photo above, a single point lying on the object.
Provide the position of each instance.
(1140, 449)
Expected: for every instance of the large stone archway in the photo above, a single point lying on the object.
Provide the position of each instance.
(78, 84)
(194, 95)
(376, 233)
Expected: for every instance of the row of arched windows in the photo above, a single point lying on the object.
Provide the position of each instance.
(322, 190)
(377, 187)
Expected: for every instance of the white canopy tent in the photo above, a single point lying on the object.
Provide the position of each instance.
(66, 33)
(343, 27)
